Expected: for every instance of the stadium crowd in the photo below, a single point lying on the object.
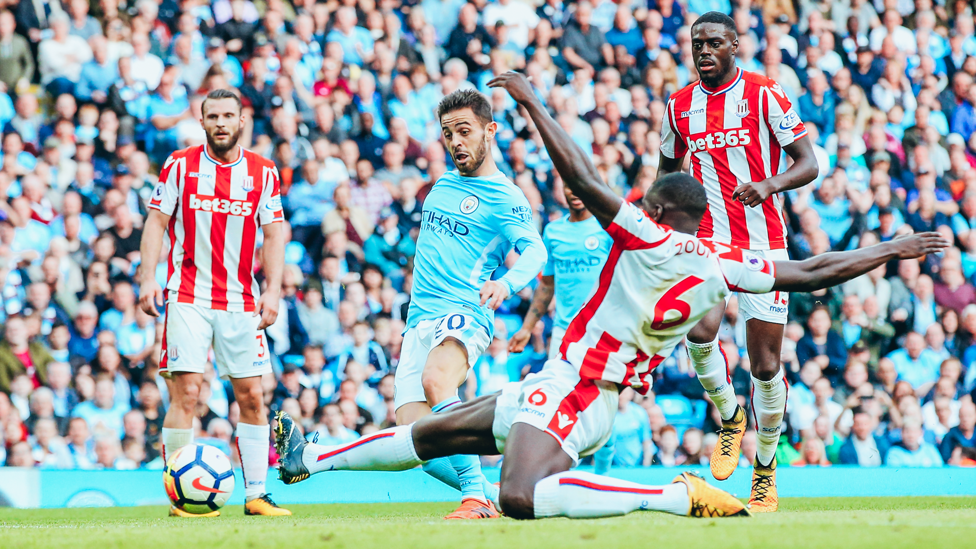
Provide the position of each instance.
(341, 94)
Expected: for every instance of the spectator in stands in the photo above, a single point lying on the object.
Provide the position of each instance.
(913, 451)
(16, 61)
(863, 447)
(668, 452)
(822, 344)
(813, 454)
(916, 364)
(332, 430)
(19, 356)
(104, 413)
(962, 435)
(60, 57)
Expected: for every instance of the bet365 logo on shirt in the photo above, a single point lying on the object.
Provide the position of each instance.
(220, 205)
(720, 140)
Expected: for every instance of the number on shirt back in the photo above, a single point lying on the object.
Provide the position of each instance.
(671, 301)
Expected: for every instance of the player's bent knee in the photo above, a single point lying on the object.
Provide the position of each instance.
(517, 502)
(442, 380)
(251, 398)
(765, 369)
(186, 396)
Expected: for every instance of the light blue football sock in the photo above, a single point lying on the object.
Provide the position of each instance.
(471, 481)
(603, 458)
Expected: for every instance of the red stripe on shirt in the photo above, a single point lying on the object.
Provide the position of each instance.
(577, 327)
(715, 113)
(630, 241)
(596, 358)
(249, 236)
(218, 237)
(188, 271)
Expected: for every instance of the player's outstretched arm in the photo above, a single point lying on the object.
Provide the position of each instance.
(572, 163)
(830, 269)
(150, 293)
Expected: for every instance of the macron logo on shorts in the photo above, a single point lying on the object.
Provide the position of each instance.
(564, 420)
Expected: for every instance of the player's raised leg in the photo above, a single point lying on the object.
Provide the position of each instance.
(445, 371)
(465, 429)
(765, 340)
(712, 368)
(421, 367)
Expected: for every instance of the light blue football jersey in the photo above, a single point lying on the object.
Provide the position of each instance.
(469, 225)
(577, 252)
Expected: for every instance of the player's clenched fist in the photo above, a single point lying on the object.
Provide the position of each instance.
(150, 297)
(267, 307)
(494, 293)
(517, 85)
(753, 194)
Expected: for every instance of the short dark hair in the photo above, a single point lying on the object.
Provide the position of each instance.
(221, 94)
(466, 99)
(718, 18)
(684, 191)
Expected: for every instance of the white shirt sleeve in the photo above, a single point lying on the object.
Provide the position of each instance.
(672, 145)
(167, 192)
(782, 120)
(269, 205)
(745, 271)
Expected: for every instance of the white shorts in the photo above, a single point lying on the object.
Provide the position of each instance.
(555, 340)
(240, 349)
(578, 414)
(771, 307)
(419, 340)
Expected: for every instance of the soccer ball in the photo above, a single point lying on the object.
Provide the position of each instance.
(198, 479)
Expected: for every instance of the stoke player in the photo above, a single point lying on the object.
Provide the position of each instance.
(659, 280)
(472, 218)
(211, 199)
(736, 124)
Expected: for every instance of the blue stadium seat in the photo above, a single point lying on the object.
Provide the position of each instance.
(682, 412)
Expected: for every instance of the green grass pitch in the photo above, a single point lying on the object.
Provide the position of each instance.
(823, 523)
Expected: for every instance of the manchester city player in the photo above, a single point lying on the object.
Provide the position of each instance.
(472, 218)
(578, 247)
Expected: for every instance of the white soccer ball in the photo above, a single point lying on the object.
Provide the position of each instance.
(198, 478)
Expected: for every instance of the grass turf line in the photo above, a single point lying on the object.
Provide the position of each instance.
(816, 522)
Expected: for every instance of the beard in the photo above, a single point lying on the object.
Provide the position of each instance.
(223, 148)
(477, 157)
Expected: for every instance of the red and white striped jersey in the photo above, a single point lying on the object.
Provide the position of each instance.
(215, 211)
(728, 132)
(656, 285)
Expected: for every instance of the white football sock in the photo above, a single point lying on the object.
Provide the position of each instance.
(254, 444)
(713, 373)
(768, 404)
(575, 494)
(387, 450)
(174, 439)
